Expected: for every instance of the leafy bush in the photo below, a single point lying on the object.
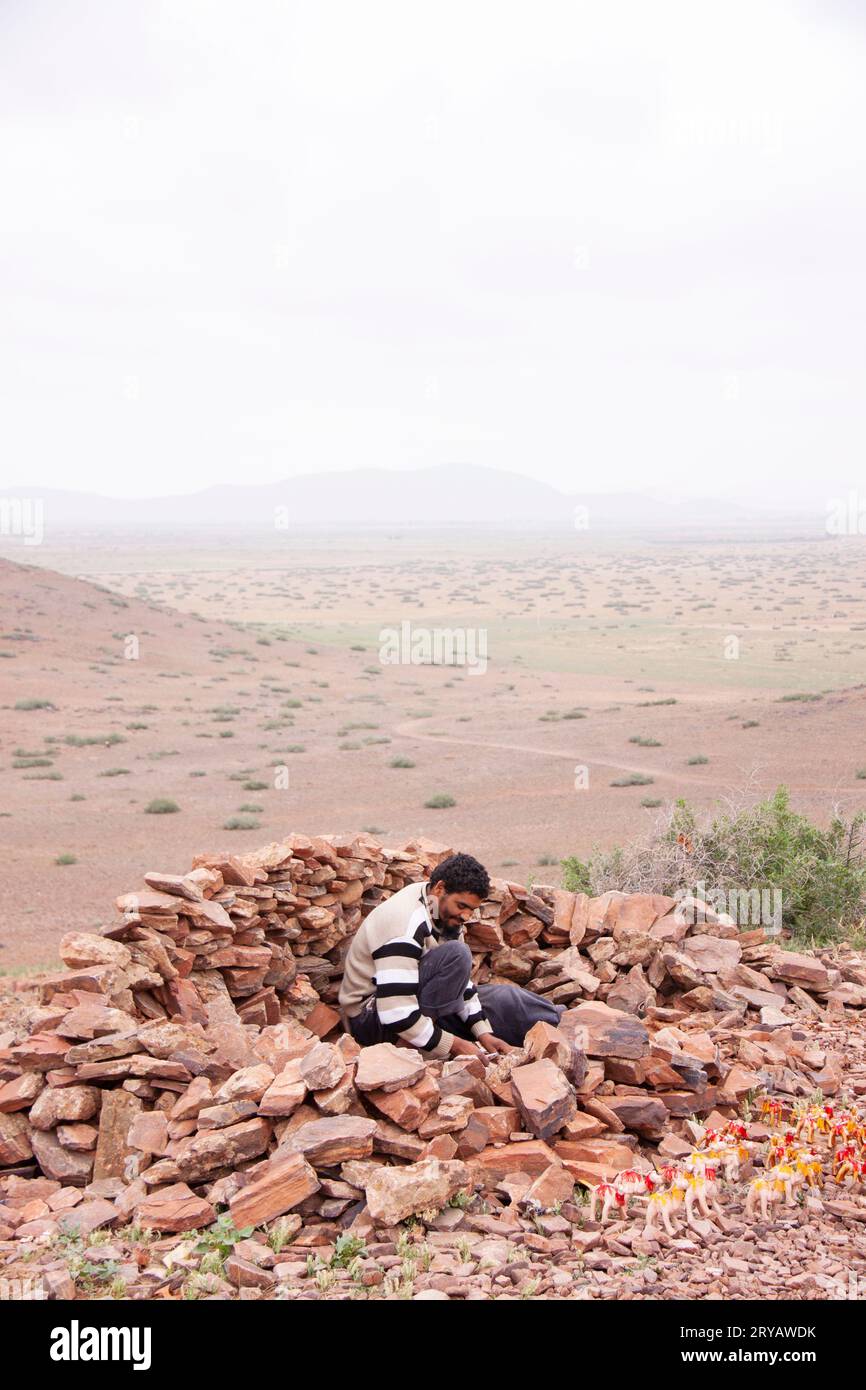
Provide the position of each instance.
(820, 873)
(161, 806)
(440, 802)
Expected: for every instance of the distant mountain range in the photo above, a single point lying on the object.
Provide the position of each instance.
(445, 495)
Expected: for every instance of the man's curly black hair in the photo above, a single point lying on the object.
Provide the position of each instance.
(462, 874)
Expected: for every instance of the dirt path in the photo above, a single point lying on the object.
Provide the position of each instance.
(407, 730)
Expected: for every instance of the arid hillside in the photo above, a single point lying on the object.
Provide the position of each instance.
(111, 701)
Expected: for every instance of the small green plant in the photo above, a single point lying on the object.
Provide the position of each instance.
(161, 806)
(634, 779)
(221, 1237)
(401, 762)
(347, 1249)
(66, 859)
(281, 1234)
(697, 761)
(241, 823)
(91, 740)
(440, 802)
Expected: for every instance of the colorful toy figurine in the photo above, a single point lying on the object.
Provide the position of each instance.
(605, 1194)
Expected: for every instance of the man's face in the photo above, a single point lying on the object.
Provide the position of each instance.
(455, 909)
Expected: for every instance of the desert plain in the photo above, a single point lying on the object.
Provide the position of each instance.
(238, 676)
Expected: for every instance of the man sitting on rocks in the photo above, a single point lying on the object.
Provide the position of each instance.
(407, 973)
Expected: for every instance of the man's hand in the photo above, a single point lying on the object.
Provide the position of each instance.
(461, 1047)
(493, 1044)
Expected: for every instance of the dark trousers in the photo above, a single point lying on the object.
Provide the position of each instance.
(443, 974)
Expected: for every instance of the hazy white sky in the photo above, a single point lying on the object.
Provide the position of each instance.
(613, 245)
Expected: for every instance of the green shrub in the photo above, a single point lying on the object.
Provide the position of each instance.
(697, 761)
(241, 823)
(33, 704)
(634, 779)
(440, 802)
(401, 762)
(89, 740)
(645, 742)
(820, 873)
(66, 859)
(161, 806)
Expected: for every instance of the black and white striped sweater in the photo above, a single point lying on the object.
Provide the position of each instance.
(383, 961)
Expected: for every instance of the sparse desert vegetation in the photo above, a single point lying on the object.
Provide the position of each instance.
(597, 660)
